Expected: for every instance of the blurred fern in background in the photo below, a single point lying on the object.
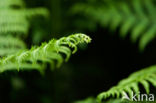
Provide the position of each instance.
(15, 24)
(136, 17)
(133, 18)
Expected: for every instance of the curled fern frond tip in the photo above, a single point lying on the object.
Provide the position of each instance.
(50, 52)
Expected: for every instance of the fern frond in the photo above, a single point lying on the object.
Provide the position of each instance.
(10, 45)
(17, 20)
(51, 52)
(134, 16)
(144, 77)
(13, 21)
(10, 41)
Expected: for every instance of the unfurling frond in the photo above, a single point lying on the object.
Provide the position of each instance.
(136, 17)
(51, 52)
(144, 77)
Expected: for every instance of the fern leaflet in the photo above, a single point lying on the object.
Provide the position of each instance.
(15, 24)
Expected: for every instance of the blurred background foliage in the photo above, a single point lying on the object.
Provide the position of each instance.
(92, 70)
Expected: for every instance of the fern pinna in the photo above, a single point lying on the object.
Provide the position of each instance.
(136, 17)
(15, 25)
